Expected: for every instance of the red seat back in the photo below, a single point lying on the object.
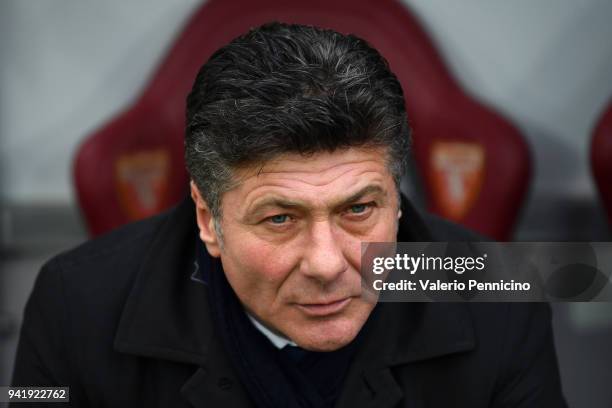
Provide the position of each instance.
(601, 158)
(475, 163)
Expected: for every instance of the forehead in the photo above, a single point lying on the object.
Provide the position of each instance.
(314, 177)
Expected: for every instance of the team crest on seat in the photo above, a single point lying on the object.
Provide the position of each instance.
(457, 172)
(142, 182)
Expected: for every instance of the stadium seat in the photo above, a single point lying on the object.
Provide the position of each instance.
(601, 158)
(475, 165)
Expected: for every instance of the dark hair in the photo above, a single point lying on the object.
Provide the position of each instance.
(285, 88)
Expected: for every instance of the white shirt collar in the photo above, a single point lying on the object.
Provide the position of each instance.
(278, 340)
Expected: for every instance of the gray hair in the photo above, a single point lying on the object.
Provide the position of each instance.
(290, 89)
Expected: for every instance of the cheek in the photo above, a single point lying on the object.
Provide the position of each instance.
(257, 264)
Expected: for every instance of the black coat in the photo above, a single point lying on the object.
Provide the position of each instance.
(123, 323)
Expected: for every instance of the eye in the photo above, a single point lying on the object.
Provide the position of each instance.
(360, 211)
(278, 219)
(358, 208)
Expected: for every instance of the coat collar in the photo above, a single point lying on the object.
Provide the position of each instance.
(165, 317)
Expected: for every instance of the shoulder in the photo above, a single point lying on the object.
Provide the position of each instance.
(419, 225)
(113, 257)
(89, 285)
(510, 321)
(444, 230)
(121, 240)
(76, 302)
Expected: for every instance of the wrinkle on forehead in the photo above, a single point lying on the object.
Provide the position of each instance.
(320, 194)
(314, 181)
(331, 165)
(315, 178)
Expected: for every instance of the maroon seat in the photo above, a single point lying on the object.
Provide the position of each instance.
(601, 158)
(475, 164)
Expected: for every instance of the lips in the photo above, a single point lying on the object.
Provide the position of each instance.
(324, 309)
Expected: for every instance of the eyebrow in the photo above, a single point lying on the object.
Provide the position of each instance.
(292, 205)
(369, 189)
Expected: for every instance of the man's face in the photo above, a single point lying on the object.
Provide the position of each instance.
(292, 234)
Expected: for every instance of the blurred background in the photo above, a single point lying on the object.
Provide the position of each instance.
(515, 92)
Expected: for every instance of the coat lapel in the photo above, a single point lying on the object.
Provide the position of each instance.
(399, 335)
(215, 384)
(166, 315)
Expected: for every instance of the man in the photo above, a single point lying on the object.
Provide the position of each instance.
(249, 294)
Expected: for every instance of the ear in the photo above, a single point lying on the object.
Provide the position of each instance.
(206, 224)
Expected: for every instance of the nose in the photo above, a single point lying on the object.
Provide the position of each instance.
(323, 259)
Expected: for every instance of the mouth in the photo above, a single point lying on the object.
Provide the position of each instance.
(324, 309)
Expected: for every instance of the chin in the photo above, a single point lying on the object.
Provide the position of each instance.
(328, 335)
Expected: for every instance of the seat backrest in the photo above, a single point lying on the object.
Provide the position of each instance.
(129, 169)
(475, 164)
(601, 158)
